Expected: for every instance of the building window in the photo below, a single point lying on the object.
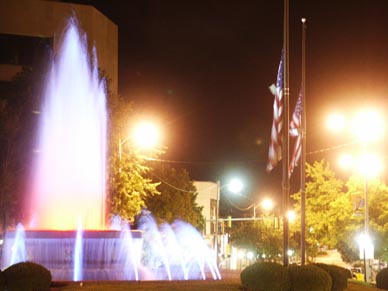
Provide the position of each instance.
(23, 50)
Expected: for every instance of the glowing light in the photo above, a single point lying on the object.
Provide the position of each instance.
(368, 126)
(291, 215)
(366, 246)
(235, 185)
(346, 161)
(250, 255)
(267, 204)
(336, 122)
(146, 135)
(369, 165)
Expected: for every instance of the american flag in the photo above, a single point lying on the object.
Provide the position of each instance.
(295, 131)
(276, 143)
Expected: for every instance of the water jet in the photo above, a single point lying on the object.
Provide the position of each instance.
(67, 232)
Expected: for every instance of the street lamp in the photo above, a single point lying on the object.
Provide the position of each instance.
(267, 204)
(367, 126)
(235, 185)
(144, 135)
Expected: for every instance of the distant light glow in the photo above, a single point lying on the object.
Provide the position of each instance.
(235, 185)
(267, 204)
(291, 215)
(250, 255)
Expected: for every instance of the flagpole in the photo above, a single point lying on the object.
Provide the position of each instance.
(303, 154)
(286, 94)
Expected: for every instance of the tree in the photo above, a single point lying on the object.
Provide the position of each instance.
(260, 236)
(328, 208)
(177, 199)
(18, 105)
(335, 212)
(377, 213)
(128, 182)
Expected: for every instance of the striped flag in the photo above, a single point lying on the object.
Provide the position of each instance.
(276, 143)
(296, 131)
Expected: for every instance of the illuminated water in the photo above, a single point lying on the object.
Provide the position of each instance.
(69, 174)
(67, 233)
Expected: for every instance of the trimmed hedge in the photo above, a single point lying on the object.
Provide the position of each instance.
(339, 276)
(2, 281)
(309, 278)
(382, 279)
(27, 276)
(265, 277)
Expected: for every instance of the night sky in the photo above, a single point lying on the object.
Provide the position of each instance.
(203, 68)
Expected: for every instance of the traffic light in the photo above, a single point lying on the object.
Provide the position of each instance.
(229, 221)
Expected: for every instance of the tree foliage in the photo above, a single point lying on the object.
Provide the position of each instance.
(328, 208)
(335, 212)
(259, 236)
(377, 195)
(18, 120)
(128, 182)
(177, 199)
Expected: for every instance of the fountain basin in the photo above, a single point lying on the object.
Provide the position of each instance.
(102, 255)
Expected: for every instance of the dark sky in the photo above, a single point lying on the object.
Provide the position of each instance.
(203, 67)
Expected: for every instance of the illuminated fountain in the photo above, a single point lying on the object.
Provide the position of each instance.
(67, 232)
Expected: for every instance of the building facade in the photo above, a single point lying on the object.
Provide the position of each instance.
(26, 25)
(207, 198)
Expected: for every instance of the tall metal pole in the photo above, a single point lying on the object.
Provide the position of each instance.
(303, 154)
(366, 219)
(217, 217)
(286, 94)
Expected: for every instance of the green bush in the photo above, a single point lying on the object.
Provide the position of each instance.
(382, 279)
(265, 277)
(27, 276)
(339, 276)
(309, 278)
(2, 281)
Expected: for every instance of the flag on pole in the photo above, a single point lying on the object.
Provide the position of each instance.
(296, 131)
(276, 143)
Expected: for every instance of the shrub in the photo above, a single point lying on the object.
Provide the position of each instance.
(2, 281)
(27, 276)
(309, 278)
(382, 279)
(265, 277)
(339, 276)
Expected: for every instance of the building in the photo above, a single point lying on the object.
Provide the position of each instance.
(27, 25)
(207, 198)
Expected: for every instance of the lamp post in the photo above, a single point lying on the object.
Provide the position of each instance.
(144, 135)
(366, 127)
(217, 217)
(235, 186)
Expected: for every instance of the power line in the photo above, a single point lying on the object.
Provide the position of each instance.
(170, 185)
(332, 148)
